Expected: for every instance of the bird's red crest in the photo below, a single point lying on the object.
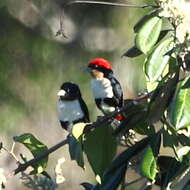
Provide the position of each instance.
(100, 62)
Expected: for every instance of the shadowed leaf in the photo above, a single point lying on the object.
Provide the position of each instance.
(100, 148)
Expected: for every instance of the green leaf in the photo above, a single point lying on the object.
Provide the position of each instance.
(162, 97)
(157, 60)
(148, 34)
(132, 52)
(36, 148)
(144, 19)
(179, 111)
(77, 129)
(75, 150)
(148, 164)
(100, 147)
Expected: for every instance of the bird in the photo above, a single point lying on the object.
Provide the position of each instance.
(71, 107)
(106, 89)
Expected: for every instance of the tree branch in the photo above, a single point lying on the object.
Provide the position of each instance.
(22, 167)
(98, 122)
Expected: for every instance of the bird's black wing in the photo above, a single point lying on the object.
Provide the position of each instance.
(84, 109)
(117, 91)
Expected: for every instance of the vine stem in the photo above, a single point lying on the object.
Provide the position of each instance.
(118, 4)
(109, 3)
(11, 152)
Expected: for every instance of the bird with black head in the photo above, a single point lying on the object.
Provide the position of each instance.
(71, 107)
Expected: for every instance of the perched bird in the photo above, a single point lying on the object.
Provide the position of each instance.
(71, 107)
(106, 89)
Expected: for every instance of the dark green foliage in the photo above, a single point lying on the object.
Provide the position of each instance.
(100, 148)
(75, 150)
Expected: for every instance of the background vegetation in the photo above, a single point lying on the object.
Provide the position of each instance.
(35, 60)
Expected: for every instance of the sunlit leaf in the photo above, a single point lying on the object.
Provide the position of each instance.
(100, 148)
(36, 147)
(77, 129)
(148, 34)
(134, 51)
(157, 60)
(148, 164)
(180, 106)
(144, 19)
(183, 151)
(75, 150)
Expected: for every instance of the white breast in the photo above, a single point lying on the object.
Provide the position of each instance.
(69, 110)
(101, 88)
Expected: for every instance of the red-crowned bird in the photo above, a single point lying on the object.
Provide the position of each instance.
(106, 88)
(71, 106)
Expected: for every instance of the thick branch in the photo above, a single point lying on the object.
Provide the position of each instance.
(103, 119)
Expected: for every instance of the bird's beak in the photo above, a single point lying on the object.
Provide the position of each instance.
(61, 93)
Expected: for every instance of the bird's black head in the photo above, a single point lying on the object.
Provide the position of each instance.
(69, 91)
